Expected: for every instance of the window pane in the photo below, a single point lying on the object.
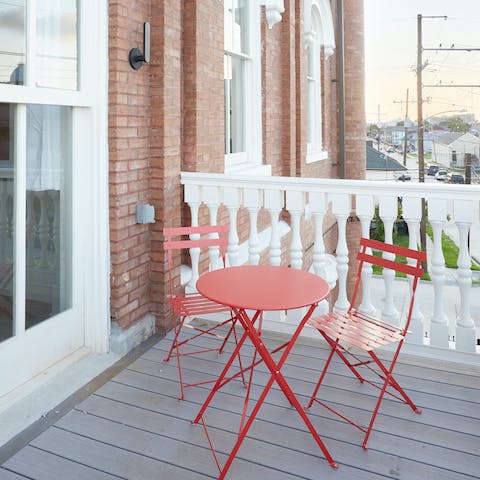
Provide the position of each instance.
(310, 111)
(12, 41)
(56, 62)
(6, 220)
(234, 105)
(235, 26)
(48, 222)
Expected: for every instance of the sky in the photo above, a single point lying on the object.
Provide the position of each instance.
(391, 57)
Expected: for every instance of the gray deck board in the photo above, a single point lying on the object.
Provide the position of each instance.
(39, 464)
(134, 426)
(8, 475)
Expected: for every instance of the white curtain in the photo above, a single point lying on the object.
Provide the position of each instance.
(48, 135)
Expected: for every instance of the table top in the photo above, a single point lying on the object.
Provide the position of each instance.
(263, 287)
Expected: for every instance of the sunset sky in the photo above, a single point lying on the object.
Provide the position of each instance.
(391, 57)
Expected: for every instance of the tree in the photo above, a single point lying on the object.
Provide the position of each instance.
(373, 130)
(456, 124)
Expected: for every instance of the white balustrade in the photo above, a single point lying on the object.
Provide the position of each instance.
(412, 214)
(192, 197)
(365, 210)
(388, 213)
(295, 204)
(437, 214)
(232, 200)
(341, 207)
(213, 201)
(465, 330)
(253, 203)
(313, 201)
(274, 204)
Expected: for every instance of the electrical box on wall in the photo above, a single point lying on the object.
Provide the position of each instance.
(145, 214)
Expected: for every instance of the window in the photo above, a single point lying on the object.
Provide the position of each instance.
(318, 33)
(242, 83)
(53, 138)
(314, 94)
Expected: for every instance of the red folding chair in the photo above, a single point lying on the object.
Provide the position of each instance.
(191, 305)
(355, 329)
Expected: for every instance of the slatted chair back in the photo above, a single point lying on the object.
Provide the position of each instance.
(196, 238)
(413, 268)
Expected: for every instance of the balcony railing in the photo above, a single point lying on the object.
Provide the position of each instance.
(42, 241)
(311, 200)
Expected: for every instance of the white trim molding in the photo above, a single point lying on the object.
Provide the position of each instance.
(326, 35)
(273, 11)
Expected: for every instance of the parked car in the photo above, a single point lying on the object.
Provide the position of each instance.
(441, 175)
(455, 178)
(432, 169)
(402, 176)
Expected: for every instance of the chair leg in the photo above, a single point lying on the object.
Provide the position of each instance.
(389, 380)
(227, 336)
(338, 349)
(178, 326)
(394, 383)
(322, 375)
(238, 353)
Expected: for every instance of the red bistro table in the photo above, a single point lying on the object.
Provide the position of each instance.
(261, 288)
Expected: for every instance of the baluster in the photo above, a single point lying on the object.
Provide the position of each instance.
(437, 214)
(295, 204)
(10, 230)
(388, 213)
(232, 200)
(465, 330)
(30, 228)
(192, 197)
(43, 228)
(364, 209)
(252, 202)
(412, 214)
(341, 207)
(211, 197)
(3, 221)
(59, 284)
(274, 203)
(318, 206)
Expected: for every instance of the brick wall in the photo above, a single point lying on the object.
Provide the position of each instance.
(168, 117)
(166, 73)
(129, 152)
(355, 150)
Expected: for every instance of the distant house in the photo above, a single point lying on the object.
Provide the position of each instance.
(450, 149)
(377, 160)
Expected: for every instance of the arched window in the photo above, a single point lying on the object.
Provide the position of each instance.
(318, 33)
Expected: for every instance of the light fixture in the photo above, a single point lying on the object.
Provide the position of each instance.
(136, 57)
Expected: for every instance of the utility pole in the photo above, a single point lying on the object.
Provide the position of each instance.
(405, 134)
(420, 67)
(421, 158)
(405, 143)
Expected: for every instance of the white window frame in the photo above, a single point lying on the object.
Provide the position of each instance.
(315, 150)
(318, 25)
(90, 225)
(250, 160)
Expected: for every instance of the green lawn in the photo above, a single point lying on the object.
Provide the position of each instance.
(450, 250)
(402, 241)
(449, 247)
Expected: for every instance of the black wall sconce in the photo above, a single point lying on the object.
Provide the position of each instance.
(136, 57)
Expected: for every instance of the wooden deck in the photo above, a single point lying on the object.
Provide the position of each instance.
(134, 427)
